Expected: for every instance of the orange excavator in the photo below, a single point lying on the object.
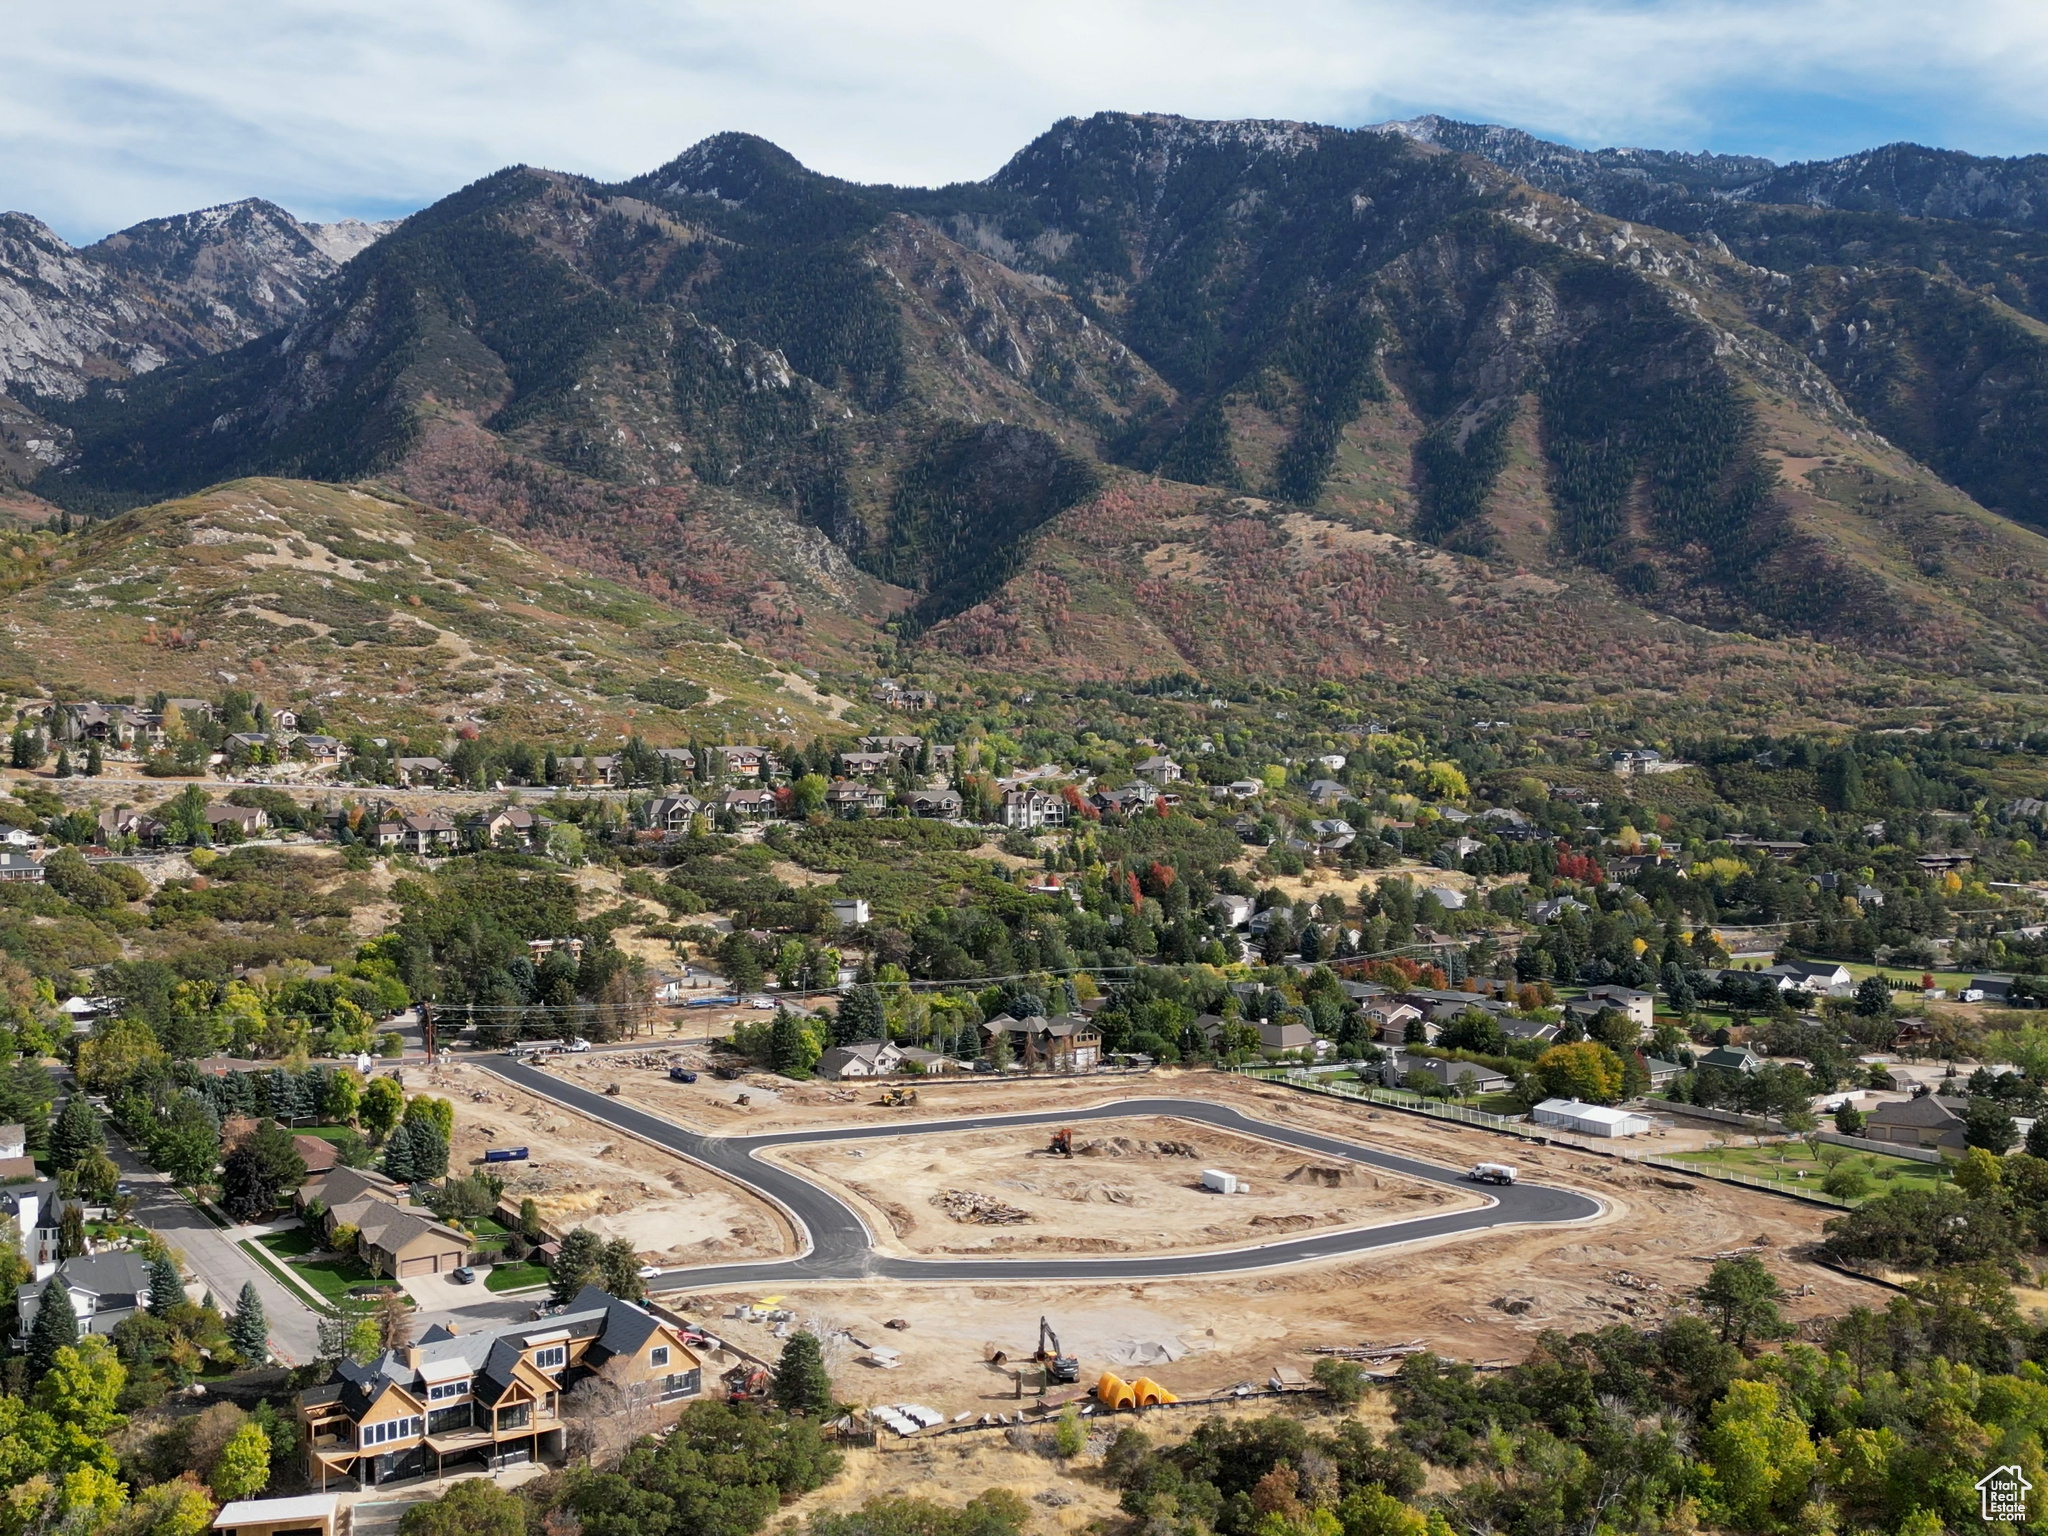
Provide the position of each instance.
(1062, 1142)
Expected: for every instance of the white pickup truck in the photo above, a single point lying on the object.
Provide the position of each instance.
(1491, 1173)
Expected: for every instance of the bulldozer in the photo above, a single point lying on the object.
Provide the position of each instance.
(1065, 1369)
(1062, 1142)
(899, 1098)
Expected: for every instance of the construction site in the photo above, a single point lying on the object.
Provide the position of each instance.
(1133, 1186)
(965, 1349)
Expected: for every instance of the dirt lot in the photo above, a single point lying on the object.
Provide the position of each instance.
(1479, 1297)
(584, 1174)
(1133, 1186)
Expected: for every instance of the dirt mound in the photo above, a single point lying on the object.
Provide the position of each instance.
(1293, 1223)
(978, 1209)
(1333, 1176)
(1132, 1146)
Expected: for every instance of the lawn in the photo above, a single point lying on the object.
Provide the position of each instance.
(332, 1278)
(515, 1277)
(1797, 1167)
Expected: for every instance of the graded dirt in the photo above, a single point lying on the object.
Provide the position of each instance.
(1133, 1186)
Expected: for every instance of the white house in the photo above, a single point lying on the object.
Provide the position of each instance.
(1232, 911)
(850, 911)
(1589, 1119)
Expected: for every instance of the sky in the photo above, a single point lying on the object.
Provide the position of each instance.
(120, 110)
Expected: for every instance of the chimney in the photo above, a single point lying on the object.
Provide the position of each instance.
(412, 1357)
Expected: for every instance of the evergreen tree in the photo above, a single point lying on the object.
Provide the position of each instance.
(249, 1329)
(71, 1232)
(55, 1328)
(95, 764)
(860, 1017)
(399, 1159)
(76, 1135)
(63, 762)
(166, 1290)
(620, 1267)
(580, 1263)
(801, 1382)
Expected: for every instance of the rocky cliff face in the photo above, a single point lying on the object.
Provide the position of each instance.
(167, 289)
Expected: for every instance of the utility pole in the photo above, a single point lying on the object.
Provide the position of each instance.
(427, 1028)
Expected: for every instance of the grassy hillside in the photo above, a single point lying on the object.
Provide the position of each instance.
(394, 616)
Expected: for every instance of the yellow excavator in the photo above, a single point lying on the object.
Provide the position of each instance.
(1065, 1369)
(899, 1098)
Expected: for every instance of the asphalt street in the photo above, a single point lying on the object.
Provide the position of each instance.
(216, 1258)
(838, 1246)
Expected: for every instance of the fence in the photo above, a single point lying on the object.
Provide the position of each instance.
(1439, 1109)
(1795, 1189)
(1883, 1148)
(1719, 1116)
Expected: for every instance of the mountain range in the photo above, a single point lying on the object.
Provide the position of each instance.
(1431, 399)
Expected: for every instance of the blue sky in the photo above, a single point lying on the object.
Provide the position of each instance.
(122, 110)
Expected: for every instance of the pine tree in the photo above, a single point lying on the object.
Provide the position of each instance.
(76, 1135)
(579, 1263)
(166, 1290)
(95, 763)
(63, 762)
(249, 1329)
(400, 1162)
(802, 1384)
(621, 1269)
(55, 1328)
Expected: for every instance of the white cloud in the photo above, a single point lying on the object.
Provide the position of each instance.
(124, 109)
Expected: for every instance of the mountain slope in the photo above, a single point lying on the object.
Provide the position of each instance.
(171, 288)
(388, 615)
(806, 409)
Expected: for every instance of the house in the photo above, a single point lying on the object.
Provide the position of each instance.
(1328, 792)
(1926, 1121)
(20, 866)
(494, 1396)
(417, 770)
(402, 1241)
(1448, 1074)
(320, 1158)
(902, 748)
(106, 1289)
(245, 820)
(866, 1058)
(747, 804)
(673, 813)
(1331, 762)
(15, 1162)
(1232, 911)
(851, 797)
(37, 1210)
(1662, 1073)
(1390, 1020)
(309, 1514)
(1589, 1119)
(1528, 1029)
(1158, 770)
(743, 762)
(1329, 836)
(891, 693)
(1462, 848)
(1732, 1058)
(860, 765)
(1449, 897)
(1823, 978)
(680, 761)
(1126, 801)
(513, 822)
(1641, 1007)
(129, 822)
(425, 832)
(1988, 989)
(593, 772)
(1029, 810)
(850, 911)
(1237, 789)
(325, 750)
(1551, 909)
(1069, 1043)
(940, 804)
(1278, 1035)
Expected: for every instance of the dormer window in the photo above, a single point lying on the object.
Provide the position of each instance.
(445, 1391)
(551, 1357)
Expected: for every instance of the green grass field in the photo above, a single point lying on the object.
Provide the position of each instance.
(1797, 1168)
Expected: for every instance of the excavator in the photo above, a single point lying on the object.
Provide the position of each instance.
(1065, 1369)
(899, 1098)
(1062, 1142)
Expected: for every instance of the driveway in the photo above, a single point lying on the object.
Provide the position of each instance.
(220, 1264)
(436, 1294)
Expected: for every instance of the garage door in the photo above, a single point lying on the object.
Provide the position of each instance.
(407, 1268)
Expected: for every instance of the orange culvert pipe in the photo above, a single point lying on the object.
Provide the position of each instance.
(1112, 1391)
(1150, 1394)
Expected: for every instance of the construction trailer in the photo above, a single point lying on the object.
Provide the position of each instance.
(1589, 1119)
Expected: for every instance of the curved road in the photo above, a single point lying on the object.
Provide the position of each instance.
(839, 1246)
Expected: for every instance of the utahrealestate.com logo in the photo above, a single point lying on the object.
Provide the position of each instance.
(2004, 1492)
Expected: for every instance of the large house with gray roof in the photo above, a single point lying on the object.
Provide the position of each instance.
(492, 1397)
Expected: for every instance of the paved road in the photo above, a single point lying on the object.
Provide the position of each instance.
(216, 1258)
(838, 1245)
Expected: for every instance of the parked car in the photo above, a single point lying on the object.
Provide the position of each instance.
(463, 1276)
(578, 1045)
(681, 1075)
